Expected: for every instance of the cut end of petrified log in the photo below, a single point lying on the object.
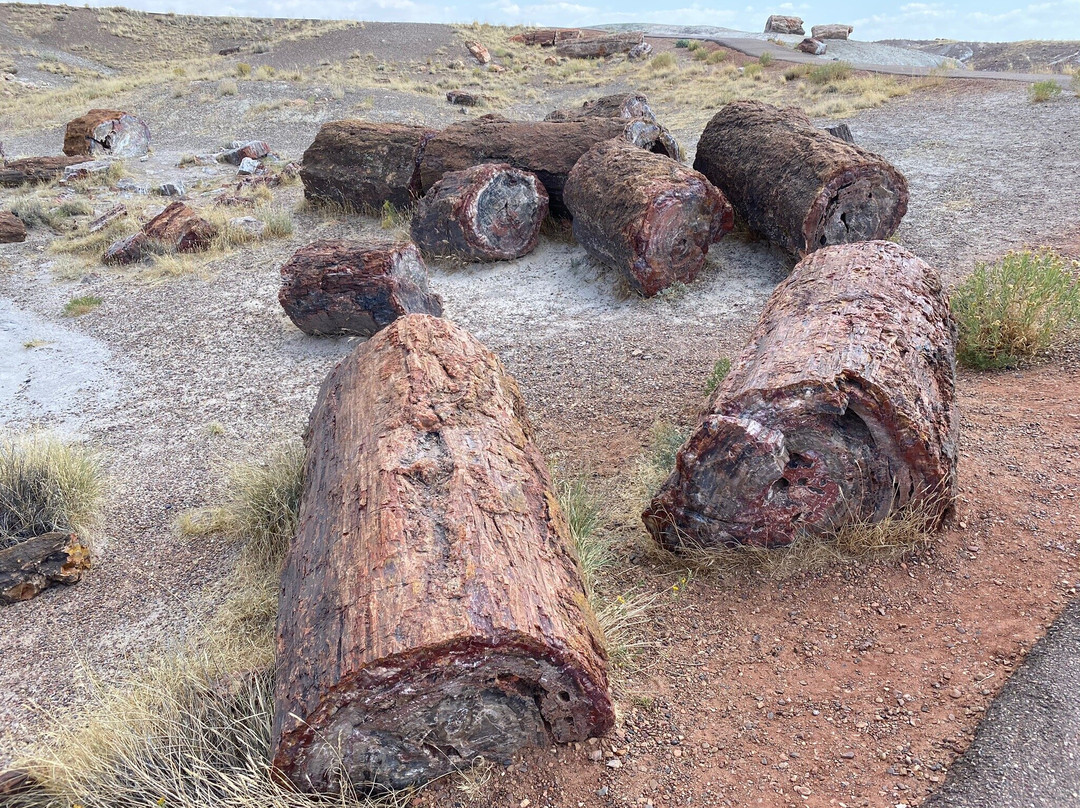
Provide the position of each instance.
(107, 131)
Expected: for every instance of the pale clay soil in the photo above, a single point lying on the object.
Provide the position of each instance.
(854, 687)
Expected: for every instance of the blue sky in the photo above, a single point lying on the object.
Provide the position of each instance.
(985, 20)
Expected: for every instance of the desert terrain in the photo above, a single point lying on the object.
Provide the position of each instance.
(856, 683)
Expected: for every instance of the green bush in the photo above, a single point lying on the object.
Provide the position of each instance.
(1044, 91)
(682, 43)
(827, 73)
(1016, 309)
(716, 57)
(719, 373)
(695, 44)
(765, 59)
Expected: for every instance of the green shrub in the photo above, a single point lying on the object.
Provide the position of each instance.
(699, 54)
(830, 72)
(83, 304)
(695, 44)
(1044, 91)
(753, 70)
(719, 373)
(1016, 309)
(682, 43)
(765, 59)
(716, 57)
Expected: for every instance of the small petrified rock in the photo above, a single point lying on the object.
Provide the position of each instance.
(180, 228)
(783, 24)
(338, 287)
(128, 250)
(107, 131)
(172, 188)
(479, 52)
(253, 149)
(12, 229)
(89, 168)
(33, 170)
(462, 98)
(842, 131)
(831, 31)
(812, 46)
(108, 217)
(36, 564)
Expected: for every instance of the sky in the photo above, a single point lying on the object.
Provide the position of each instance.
(978, 20)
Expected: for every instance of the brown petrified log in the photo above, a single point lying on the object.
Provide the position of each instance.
(431, 609)
(784, 24)
(831, 31)
(622, 105)
(795, 184)
(548, 149)
(644, 214)
(180, 228)
(107, 131)
(340, 287)
(814, 47)
(547, 37)
(490, 212)
(12, 229)
(839, 408)
(598, 47)
(35, 564)
(33, 170)
(364, 165)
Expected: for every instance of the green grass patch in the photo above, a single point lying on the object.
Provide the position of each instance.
(83, 304)
(719, 372)
(1044, 91)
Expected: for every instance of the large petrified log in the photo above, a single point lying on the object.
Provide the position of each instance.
(644, 214)
(548, 149)
(35, 564)
(622, 105)
(547, 37)
(831, 31)
(107, 131)
(431, 609)
(340, 287)
(490, 212)
(797, 185)
(598, 47)
(34, 170)
(839, 408)
(364, 165)
(815, 47)
(784, 24)
(180, 228)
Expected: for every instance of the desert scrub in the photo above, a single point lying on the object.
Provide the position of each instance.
(46, 485)
(663, 61)
(1075, 84)
(37, 212)
(227, 87)
(719, 372)
(765, 59)
(83, 304)
(716, 57)
(1044, 91)
(682, 43)
(1016, 309)
(829, 73)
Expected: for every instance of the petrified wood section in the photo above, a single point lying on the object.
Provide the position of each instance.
(431, 608)
(799, 187)
(547, 37)
(129, 249)
(622, 105)
(180, 228)
(364, 165)
(831, 31)
(784, 24)
(598, 47)
(36, 564)
(12, 229)
(815, 47)
(548, 149)
(33, 170)
(842, 131)
(107, 131)
(840, 407)
(644, 214)
(341, 287)
(489, 212)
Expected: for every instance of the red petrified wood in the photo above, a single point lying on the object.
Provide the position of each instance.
(180, 228)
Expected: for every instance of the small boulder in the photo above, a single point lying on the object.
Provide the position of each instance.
(12, 229)
(250, 225)
(783, 24)
(639, 51)
(842, 131)
(248, 166)
(812, 46)
(180, 228)
(82, 170)
(249, 149)
(462, 98)
(831, 31)
(127, 250)
(107, 131)
(479, 52)
(172, 188)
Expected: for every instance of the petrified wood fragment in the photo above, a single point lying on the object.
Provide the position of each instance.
(341, 287)
(35, 564)
(34, 170)
(814, 47)
(622, 105)
(548, 149)
(431, 609)
(839, 408)
(547, 37)
(12, 229)
(490, 212)
(364, 165)
(180, 228)
(597, 47)
(107, 132)
(842, 131)
(646, 215)
(799, 187)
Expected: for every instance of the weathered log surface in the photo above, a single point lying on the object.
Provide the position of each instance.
(490, 212)
(840, 407)
(12, 229)
(180, 228)
(784, 24)
(799, 187)
(34, 170)
(842, 131)
(547, 149)
(115, 213)
(35, 564)
(431, 608)
(364, 165)
(16, 782)
(129, 249)
(831, 31)
(339, 287)
(598, 47)
(626, 106)
(644, 214)
(815, 47)
(107, 131)
(548, 37)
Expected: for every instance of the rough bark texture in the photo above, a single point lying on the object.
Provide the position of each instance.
(180, 228)
(36, 564)
(341, 287)
(840, 407)
(490, 212)
(831, 31)
(799, 187)
(598, 47)
(32, 170)
(783, 24)
(649, 217)
(107, 131)
(12, 229)
(548, 149)
(431, 608)
(812, 46)
(548, 37)
(364, 165)
(842, 131)
(626, 106)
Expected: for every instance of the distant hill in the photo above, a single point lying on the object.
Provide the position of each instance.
(1037, 56)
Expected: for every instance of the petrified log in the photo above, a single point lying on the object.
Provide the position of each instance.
(12, 229)
(622, 105)
(340, 287)
(839, 408)
(35, 564)
(129, 249)
(431, 609)
(33, 170)
(783, 24)
(364, 165)
(115, 213)
(107, 131)
(649, 217)
(831, 31)
(180, 228)
(462, 98)
(479, 52)
(490, 212)
(547, 37)
(842, 131)
(814, 47)
(799, 187)
(248, 150)
(600, 46)
(548, 149)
